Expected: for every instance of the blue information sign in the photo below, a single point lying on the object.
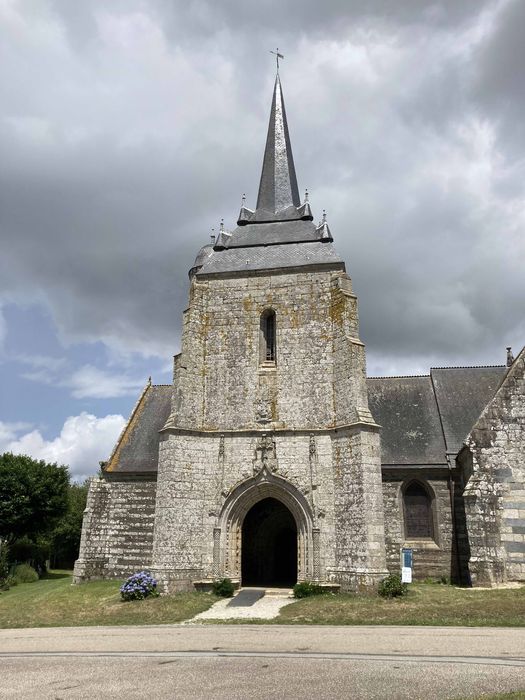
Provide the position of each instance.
(406, 564)
(407, 557)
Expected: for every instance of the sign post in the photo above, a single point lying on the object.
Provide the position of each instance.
(406, 564)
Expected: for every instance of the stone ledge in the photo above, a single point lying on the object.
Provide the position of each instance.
(329, 587)
(206, 585)
(421, 544)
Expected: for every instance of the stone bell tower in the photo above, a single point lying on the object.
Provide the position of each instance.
(269, 464)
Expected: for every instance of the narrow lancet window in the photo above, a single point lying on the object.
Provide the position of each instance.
(418, 512)
(268, 353)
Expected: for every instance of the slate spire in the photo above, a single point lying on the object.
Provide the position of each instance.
(278, 187)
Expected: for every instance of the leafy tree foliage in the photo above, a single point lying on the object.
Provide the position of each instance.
(4, 566)
(33, 496)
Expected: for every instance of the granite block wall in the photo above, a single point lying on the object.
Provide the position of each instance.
(433, 557)
(298, 428)
(493, 462)
(318, 379)
(117, 530)
(359, 520)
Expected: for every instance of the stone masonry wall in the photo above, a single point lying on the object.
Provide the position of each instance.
(432, 557)
(318, 354)
(494, 495)
(359, 542)
(198, 475)
(117, 530)
(227, 398)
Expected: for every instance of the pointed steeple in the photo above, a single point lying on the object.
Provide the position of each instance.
(278, 187)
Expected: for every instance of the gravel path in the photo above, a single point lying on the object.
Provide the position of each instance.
(248, 604)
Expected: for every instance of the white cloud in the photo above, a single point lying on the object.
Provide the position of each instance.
(9, 432)
(43, 367)
(87, 382)
(83, 442)
(90, 382)
(41, 361)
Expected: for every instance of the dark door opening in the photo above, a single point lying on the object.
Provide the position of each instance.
(269, 545)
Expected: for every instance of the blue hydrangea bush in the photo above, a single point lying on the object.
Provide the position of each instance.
(139, 586)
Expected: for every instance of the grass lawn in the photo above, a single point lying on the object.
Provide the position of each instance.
(517, 695)
(54, 602)
(424, 605)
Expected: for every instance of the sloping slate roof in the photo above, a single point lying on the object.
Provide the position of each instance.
(274, 233)
(138, 446)
(271, 257)
(406, 409)
(462, 393)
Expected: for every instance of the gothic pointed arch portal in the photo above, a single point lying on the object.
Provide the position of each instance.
(269, 545)
(288, 533)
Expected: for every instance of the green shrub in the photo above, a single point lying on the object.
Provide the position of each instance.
(26, 551)
(223, 587)
(24, 573)
(304, 589)
(391, 587)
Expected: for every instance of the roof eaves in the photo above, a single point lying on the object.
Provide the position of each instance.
(110, 466)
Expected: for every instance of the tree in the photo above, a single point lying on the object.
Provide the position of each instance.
(33, 496)
(65, 538)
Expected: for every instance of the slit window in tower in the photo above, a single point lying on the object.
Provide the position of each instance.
(268, 336)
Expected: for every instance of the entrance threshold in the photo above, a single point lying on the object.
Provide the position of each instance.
(246, 597)
(248, 604)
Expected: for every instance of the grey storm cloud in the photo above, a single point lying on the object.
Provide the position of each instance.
(127, 130)
(499, 86)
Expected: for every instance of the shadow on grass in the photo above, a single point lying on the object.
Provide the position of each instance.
(56, 575)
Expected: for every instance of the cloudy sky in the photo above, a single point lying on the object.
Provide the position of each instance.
(129, 129)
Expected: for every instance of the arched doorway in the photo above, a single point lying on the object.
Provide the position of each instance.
(269, 545)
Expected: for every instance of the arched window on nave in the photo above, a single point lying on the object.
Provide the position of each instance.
(417, 507)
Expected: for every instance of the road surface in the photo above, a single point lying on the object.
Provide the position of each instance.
(260, 661)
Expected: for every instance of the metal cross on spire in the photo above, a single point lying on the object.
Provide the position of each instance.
(277, 57)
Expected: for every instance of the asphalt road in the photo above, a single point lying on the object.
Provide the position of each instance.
(256, 661)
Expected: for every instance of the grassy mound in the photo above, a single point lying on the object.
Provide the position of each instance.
(54, 602)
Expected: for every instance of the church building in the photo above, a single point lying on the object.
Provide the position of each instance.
(272, 458)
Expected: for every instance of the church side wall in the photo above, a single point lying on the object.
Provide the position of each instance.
(494, 495)
(434, 557)
(117, 530)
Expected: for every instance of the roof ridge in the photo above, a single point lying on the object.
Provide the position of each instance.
(470, 367)
(153, 385)
(399, 376)
(108, 467)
